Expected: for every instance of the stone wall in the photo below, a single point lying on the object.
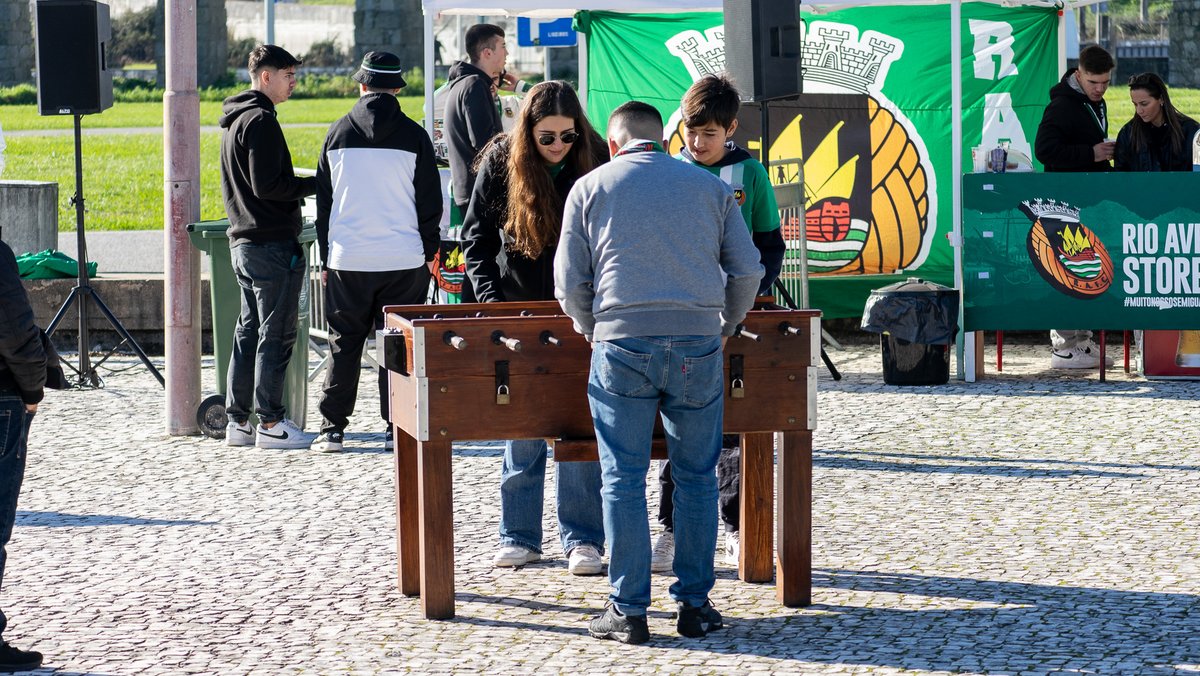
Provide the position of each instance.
(1185, 43)
(394, 25)
(297, 27)
(16, 42)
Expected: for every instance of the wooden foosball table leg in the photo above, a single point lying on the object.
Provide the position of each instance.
(434, 493)
(757, 489)
(793, 579)
(408, 540)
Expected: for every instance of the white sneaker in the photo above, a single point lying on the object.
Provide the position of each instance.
(239, 434)
(584, 560)
(733, 547)
(662, 557)
(511, 556)
(285, 434)
(1083, 356)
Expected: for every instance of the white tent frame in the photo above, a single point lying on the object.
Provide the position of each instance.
(560, 8)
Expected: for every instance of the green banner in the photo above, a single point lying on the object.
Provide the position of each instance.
(1081, 251)
(872, 130)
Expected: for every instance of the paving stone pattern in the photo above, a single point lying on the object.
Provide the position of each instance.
(1034, 522)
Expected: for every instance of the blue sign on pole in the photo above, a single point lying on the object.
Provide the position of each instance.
(545, 33)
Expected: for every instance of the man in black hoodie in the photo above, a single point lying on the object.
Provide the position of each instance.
(262, 199)
(379, 202)
(22, 379)
(472, 114)
(1073, 136)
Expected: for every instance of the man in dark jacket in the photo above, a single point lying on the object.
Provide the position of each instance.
(262, 199)
(22, 377)
(472, 113)
(379, 202)
(1073, 136)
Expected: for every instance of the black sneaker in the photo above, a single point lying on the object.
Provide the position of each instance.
(13, 659)
(328, 442)
(612, 624)
(696, 621)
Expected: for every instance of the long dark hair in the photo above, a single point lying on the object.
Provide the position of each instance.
(534, 210)
(1153, 85)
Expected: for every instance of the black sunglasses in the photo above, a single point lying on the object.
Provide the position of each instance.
(568, 137)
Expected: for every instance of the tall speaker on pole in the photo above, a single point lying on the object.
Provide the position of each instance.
(762, 48)
(73, 79)
(72, 65)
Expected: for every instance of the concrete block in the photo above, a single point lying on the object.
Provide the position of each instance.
(30, 221)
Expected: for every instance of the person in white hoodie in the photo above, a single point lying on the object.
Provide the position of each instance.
(379, 202)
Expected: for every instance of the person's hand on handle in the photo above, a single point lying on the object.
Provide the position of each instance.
(1103, 151)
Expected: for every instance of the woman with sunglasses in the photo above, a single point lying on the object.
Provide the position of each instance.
(510, 232)
(1158, 137)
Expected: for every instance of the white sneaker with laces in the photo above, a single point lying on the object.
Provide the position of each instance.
(1083, 356)
(511, 556)
(733, 547)
(584, 560)
(284, 434)
(662, 557)
(239, 434)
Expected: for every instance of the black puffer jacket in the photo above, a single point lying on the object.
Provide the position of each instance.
(22, 359)
(1159, 153)
(1071, 126)
(496, 274)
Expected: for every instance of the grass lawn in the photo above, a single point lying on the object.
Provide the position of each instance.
(123, 173)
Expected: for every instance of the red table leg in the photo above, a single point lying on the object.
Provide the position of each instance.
(793, 577)
(435, 497)
(408, 542)
(756, 510)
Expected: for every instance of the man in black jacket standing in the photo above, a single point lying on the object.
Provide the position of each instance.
(262, 199)
(472, 115)
(379, 202)
(22, 378)
(1073, 136)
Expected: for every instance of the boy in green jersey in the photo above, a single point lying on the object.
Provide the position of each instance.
(710, 109)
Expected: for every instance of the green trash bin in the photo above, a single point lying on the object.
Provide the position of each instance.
(226, 295)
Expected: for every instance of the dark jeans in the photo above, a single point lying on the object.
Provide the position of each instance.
(729, 487)
(14, 435)
(354, 309)
(270, 276)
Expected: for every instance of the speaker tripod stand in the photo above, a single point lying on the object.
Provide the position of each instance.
(86, 375)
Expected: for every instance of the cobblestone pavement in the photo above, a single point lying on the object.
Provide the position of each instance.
(1034, 522)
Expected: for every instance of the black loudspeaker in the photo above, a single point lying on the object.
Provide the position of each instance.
(762, 48)
(72, 72)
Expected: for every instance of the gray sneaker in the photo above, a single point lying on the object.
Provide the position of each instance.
(284, 434)
(239, 434)
(328, 442)
(613, 625)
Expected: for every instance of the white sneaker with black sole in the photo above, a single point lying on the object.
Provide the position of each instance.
(283, 434)
(328, 442)
(239, 434)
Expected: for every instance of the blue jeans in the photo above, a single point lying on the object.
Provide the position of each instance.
(270, 275)
(14, 435)
(522, 482)
(632, 380)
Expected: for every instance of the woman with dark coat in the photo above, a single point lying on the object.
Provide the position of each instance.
(510, 232)
(1158, 137)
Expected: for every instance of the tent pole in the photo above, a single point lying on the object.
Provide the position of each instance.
(583, 79)
(430, 72)
(966, 357)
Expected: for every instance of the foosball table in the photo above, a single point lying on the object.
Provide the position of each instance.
(520, 371)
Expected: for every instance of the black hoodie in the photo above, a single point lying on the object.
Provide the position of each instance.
(472, 118)
(262, 193)
(383, 209)
(1071, 125)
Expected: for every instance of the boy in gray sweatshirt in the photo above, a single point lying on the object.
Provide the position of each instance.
(656, 267)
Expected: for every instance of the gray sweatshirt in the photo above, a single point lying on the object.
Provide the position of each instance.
(652, 246)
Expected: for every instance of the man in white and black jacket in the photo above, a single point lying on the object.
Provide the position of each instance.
(379, 202)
